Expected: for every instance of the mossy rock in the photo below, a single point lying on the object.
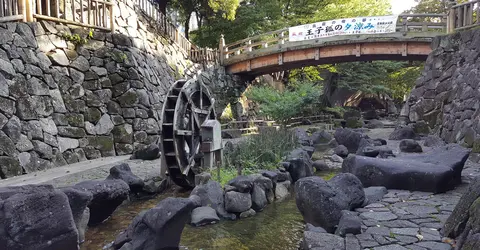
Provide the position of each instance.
(476, 146)
(93, 115)
(421, 127)
(128, 99)
(75, 120)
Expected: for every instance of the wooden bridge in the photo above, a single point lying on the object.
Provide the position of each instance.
(266, 53)
(273, 52)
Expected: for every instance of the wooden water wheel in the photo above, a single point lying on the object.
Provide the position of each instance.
(187, 105)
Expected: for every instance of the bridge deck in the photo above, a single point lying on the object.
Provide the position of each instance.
(278, 57)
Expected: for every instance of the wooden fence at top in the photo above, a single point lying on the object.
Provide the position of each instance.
(98, 14)
(464, 16)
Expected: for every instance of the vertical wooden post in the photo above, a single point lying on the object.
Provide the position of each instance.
(282, 38)
(112, 21)
(249, 44)
(22, 9)
(28, 6)
(221, 48)
(451, 17)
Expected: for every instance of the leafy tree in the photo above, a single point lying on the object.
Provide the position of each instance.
(282, 106)
(203, 9)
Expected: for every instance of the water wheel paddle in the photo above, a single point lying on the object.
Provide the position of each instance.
(186, 107)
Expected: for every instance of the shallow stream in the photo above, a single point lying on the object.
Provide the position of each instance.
(279, 226)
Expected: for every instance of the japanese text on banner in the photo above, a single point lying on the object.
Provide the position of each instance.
(347, 26)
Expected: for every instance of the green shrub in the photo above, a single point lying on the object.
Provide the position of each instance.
(257, 152)
(353, 123)
(337, 111)
(262, 151)
(282, 106)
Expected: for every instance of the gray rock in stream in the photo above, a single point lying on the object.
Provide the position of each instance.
(282, 190)
(211, 194)
(78, 201)
(203, 216)
(40, 219)
(321, 202)
(236, 202)
(107, 196)
(124, 173)
(259, 198)
(158, 228)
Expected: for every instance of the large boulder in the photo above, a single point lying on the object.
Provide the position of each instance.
(349, 223)
(149, 153)
(341, 151)
(40, 220)
(78, 201)
(434, 141)
(158, 228)
(370, 114)
(300, 164)
(436, 171)
(259, 198)
(349, 139)
(236, 202)
(302, 137)
(202, 216)
(282, 190)
(410, 146)
(456, 223)
(211, 194)
(107, 196)
(321, 202)
(124, 172)
(242, 183)
(320, 137)
(374, 124)
(401, 133)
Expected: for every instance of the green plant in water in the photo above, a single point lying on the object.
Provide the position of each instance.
(257, 152)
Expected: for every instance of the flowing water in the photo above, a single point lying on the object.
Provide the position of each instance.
(279, 226)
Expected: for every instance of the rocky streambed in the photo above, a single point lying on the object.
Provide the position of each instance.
(336, 214)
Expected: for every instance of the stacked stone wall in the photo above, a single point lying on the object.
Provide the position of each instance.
(71, 94)
(447, 95)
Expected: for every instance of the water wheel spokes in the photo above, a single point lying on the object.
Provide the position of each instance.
(187, 105)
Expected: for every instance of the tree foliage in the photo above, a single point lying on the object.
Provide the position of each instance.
(282, 106)
(379, 77)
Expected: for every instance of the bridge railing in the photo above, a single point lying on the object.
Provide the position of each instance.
(406, 24)
(464, 16)
(409, 23)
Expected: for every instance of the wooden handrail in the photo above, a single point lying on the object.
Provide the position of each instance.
(405, 25)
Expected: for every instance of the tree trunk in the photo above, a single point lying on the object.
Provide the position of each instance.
(187, 25)
(163, 6)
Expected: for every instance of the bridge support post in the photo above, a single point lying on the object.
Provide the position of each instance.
(451, 16)
(221, 49)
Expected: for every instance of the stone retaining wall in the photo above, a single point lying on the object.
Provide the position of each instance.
(447, 95)
(63, 100)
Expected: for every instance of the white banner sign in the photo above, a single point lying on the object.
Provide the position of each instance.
(347, 26)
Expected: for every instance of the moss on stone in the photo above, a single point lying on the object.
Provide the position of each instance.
(93, 115)
(128, 99)
(75, 119)
(476, 146)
